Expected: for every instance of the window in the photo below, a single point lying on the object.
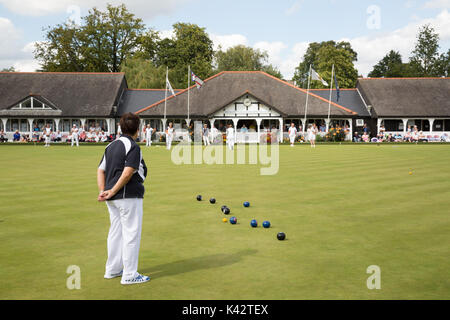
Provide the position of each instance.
(17, 124)
(41, 123)
(1, 125)
(66, 127)
(32, 103)
(95, 123)
(154, 123)
(447, 125)
(26, 104)
(438, 125)
(393, 125)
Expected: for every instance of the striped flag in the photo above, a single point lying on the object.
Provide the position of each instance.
(198, 82)
(316, 76)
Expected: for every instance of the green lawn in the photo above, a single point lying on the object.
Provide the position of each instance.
(343, 208)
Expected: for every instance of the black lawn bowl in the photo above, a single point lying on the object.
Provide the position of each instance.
(223, 207)
(212, 200)
(199, 198)
(226, 211)
(281, 236)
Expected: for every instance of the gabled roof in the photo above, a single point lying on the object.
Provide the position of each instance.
(75, 94)
(407, 97)
(246, 93)
(218, 89)
(134, 99)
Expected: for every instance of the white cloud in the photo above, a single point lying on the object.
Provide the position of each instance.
(227, 41)
(13, 52)
(9, 37)
(294, 8)
(437, 4)
(372, 48)
(145, 8)
(26, 65)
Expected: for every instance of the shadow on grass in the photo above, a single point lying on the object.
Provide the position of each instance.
(198, 263)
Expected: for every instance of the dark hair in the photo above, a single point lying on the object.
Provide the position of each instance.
(129, 123)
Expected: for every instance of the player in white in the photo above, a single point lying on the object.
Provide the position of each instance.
(47, 134)
(169, 135)
(292, 133)
(75, 136)
(205, 135)
(214, 134)
(119, 132)
(230, 137)
(148, 135)
(312, 132)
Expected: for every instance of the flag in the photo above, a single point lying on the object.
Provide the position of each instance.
(169, 86)
(198, 82)
(316, 76)
(338, 91)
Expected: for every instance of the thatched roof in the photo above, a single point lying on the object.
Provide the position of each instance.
(225, 87)
(407, 97)
(74, 94)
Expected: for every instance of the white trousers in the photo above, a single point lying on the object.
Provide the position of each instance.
(292, 138)
(206, 140)
(148, 141)
(75, 140)
(47, 140)
(124, 236)
(169, 139)
(230, 143)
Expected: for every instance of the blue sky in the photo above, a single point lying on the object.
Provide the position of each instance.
(282, 28)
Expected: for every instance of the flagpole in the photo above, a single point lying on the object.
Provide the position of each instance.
(331, 90)
(165, 98)
(307, 95)
(189, 83)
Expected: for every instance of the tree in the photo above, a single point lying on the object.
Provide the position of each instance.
(425, 55)
(273, 71)
(148, 45)
(10, 69)
(143, 74)
(443, 64)
(190, 45)
(322, 56)
(62, 51)
(100, 44)
(390, 66)
(243, 58)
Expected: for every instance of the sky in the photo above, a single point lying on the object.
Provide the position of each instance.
(283, 28)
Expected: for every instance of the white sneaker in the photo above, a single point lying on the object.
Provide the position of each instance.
(112, 276)
(138, 279)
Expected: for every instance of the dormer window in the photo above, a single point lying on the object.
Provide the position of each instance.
(32, 103)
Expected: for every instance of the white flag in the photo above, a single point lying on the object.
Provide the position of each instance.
(316, 76)
(168, 85)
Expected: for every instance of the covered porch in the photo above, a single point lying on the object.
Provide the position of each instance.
(432, 128)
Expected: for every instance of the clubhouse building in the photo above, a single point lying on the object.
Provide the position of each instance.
(256, 100)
